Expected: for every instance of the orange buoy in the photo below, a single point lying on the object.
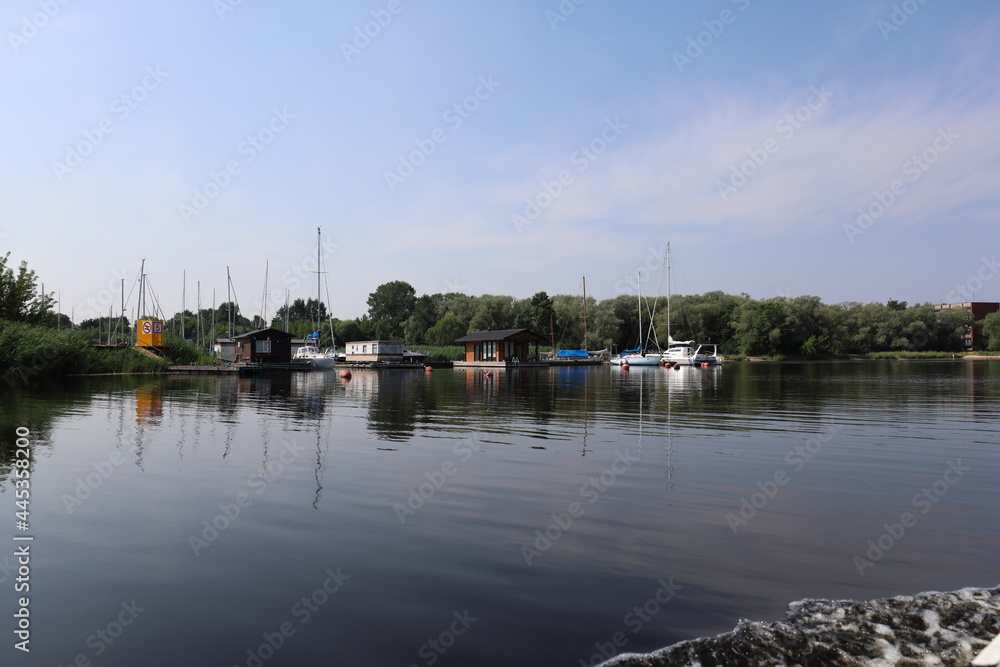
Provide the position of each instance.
(428, 369)
(677, 367)
(704, 364)
(489, 374)
(346, 374)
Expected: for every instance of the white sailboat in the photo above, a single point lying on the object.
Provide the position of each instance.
(311, 354)
(639, 356)
(681, 352)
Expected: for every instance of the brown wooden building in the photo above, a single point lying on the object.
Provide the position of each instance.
(266, 346)
(503, 346)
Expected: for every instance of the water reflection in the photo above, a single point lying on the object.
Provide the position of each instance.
(492, 459)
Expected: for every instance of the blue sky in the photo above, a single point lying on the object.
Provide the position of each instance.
(849, 150)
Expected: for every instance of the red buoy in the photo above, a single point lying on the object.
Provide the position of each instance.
(346, 374)
(428, 369)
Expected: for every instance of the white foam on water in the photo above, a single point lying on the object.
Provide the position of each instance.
(932, 629)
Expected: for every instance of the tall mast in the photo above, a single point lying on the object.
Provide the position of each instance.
(669, 340)
(585, 312)
(229, 302)
(121, 319)
(638, 289)
(142, 289)
(263, 298)
(319, 275)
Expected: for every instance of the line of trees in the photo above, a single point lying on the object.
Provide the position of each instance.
(739, 324)
(799, 326)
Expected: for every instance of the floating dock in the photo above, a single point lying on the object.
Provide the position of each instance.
(204, 370)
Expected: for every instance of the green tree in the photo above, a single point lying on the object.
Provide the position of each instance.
(537, 313)
(447, 329)
(349, 330)
(603, 325)
(19, 297)
(760, 326)
(991, 330)
(390, 306)
(493, 313)
(425, 314)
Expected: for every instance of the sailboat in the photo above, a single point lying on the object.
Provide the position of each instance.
(680, 352)
(311, 354)
(638, 356)
(584, 356)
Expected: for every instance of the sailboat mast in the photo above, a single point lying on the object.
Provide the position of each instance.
(638, 288)
(585, 346)
(229, 302)
(667, 252)
(319, 275)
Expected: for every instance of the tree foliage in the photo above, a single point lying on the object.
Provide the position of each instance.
(20, 300)
(389, 307)
(991, 331)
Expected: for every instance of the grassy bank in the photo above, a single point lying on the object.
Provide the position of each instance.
(30, 352)
(440, 352)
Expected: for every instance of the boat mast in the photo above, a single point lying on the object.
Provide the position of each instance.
(319, 275)
(142, 288)
(229, 302)
(638, 289)
(667, 254)
(585, 312)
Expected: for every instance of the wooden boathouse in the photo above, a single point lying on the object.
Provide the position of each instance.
(503, 347)
(264, 346)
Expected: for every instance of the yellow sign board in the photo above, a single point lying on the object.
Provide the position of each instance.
(150, 333)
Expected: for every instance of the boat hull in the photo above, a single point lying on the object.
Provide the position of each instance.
(637, 360)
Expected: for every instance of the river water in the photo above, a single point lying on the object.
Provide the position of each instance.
(535, 517)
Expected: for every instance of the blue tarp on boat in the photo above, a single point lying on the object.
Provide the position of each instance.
(572, 353)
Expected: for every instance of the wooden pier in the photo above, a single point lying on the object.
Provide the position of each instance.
(204, 370)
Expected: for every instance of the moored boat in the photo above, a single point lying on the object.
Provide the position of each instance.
(315, 357)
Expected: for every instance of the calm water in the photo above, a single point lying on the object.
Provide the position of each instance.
(539, 517)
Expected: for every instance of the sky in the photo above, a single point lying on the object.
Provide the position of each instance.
(847, 150)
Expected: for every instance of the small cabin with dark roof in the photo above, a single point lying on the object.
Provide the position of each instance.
(265, 346)
(500, 347)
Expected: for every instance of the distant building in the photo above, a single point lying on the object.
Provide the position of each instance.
(385, 351)
(264, 346)
(501, 347)
(973, 338)
(225, 349)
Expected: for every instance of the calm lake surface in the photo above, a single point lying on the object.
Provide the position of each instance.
(538, 517)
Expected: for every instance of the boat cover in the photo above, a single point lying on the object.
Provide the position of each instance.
(572, 353)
